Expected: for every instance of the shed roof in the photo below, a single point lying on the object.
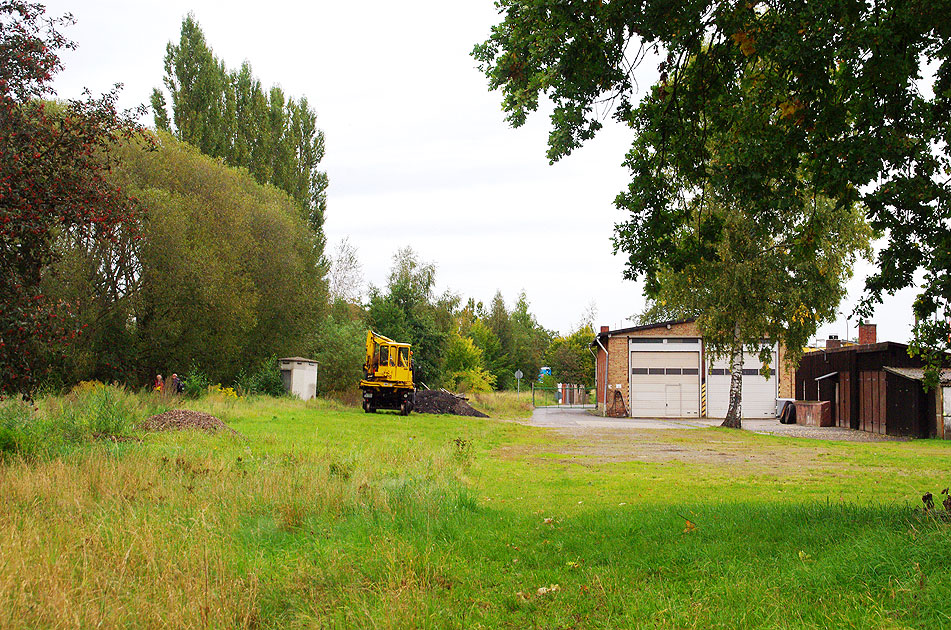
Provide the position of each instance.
(918, 374)
(302, 359)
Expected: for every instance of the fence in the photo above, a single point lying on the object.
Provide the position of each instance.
(563, 395)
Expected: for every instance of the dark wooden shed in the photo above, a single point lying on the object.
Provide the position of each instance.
(868, 389)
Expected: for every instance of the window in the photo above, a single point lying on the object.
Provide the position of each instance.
(638, 370)
(384, 355)
(718, 372)
(675, 371)
(691, 371)
(655, 370)
(683, 341)
(403, 360)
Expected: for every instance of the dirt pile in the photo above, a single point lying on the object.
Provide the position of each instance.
(183, 419)
(433, 401)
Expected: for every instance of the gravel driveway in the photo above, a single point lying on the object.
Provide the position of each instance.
(580, 420)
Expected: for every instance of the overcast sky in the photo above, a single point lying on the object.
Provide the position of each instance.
(418, 152)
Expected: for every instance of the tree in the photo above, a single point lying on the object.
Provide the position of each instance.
(765, 282)
(530, 341)
(763, 103)
(570, 359)
(409, 311)
(346, 273)
(221, 273)
(464, 366)
(658, 310)
(228, 115)
(52, 181)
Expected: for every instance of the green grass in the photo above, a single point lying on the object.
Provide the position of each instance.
(323, 516)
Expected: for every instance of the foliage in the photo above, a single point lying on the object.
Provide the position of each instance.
(224, 273)
(264, 379)
(410, 312)
(52, 181)
(346, 273)
(228, 115)
(196, 382)
(766, 281)
(658, 310)
(463, 366)
(91, 411)
(570, 357)
(339, 348)
(763, 103)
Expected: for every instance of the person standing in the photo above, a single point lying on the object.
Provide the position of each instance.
(159, 383)
(177, 386)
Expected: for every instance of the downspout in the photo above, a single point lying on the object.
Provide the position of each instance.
(604, 409)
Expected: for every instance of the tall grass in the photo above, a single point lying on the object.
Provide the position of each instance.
(505, 405)
(325, 517)
(56, 425)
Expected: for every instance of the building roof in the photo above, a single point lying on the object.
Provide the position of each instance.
(621, 331)
(299, 359)
(918, 374)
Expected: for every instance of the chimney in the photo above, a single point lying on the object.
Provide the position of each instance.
(833, 342)
(867, 334)
(605, 329)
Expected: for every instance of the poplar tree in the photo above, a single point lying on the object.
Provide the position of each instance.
(228, 115)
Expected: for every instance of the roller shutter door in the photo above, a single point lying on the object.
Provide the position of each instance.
(759, 393)
(665, 384)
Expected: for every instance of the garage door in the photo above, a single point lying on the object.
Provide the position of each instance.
(665, 384)
(759, 393)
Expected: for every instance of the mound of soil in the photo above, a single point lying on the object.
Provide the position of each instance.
(433, 401)
(183, 419)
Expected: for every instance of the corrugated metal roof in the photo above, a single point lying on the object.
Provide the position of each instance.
(918, 374)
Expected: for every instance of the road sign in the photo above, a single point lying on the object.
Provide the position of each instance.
(518, 381)
(518, 375)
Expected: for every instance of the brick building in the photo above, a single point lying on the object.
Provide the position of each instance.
(665, 370)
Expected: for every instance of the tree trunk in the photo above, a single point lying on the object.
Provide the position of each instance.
(734, 414)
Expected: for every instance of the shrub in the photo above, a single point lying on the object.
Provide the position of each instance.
(196, 382)
(265, 379)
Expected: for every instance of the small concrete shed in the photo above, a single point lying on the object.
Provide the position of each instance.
(299, 376)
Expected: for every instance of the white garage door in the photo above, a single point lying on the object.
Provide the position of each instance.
(665, 384)
(759, 393)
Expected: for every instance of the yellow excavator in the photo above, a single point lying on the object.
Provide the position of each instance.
(388, 375)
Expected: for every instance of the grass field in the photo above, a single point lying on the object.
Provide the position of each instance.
(324, 517)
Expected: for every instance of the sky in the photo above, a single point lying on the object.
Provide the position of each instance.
(418, 150)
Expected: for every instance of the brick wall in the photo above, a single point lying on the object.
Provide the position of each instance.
(786, 373)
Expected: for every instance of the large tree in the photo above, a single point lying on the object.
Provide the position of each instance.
(53, 180)
(227, 114)
(841, 110)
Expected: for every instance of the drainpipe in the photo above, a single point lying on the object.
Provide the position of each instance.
(604, 409)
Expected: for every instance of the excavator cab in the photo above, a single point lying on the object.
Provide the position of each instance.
(388, 375)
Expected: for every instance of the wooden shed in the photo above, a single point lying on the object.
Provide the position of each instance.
(873, 387)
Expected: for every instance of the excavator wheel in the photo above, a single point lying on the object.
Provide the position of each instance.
(405, 408)
(367, 407)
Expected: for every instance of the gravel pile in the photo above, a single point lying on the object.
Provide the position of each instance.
(184, 419)
(433, 401)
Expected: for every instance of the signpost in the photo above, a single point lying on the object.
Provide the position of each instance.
(518, 381)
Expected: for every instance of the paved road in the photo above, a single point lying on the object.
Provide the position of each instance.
(580, 419)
